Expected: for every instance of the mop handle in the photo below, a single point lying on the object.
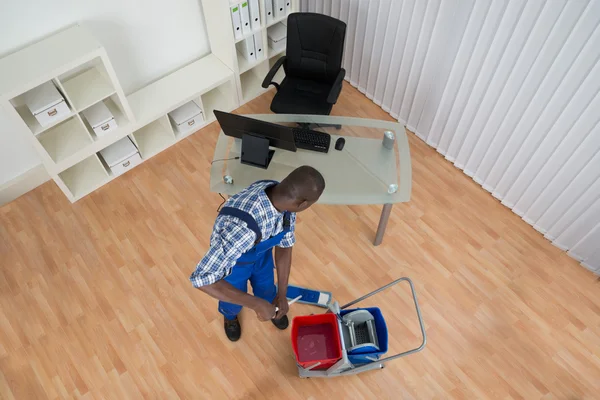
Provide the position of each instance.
(289, 304)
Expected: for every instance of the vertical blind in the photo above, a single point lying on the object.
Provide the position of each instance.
(507, 90)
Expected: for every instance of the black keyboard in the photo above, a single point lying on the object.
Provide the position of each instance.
(312, 140)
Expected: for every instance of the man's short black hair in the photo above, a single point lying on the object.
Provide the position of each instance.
(304, 183)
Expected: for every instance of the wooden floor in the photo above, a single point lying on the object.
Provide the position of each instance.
(95, 300)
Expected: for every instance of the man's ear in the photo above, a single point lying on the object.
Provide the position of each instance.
(303, 205)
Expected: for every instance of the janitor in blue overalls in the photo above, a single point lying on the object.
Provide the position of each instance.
(250, 225)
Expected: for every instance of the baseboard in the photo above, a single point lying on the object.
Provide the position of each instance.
(575, 256)
(590, 268)
(521, 213)
(555, 244)
(23, 184)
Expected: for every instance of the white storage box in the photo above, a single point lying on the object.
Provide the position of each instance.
(46, 104)
(100, 119)
(121, 156)
(187, 117)
(277, 35)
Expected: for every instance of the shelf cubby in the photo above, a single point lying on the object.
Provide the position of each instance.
(87, 87)
(154, 137)
(190, 129)
(84, 177)
(276, 54)
(65, 139)
(32, 123)
(114, 106)
(244, 65)
(219, 98)
(251, 81)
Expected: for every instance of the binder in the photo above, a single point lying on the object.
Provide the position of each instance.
(288, 7)
(246, 48)
(279, 8)
(245, 14)
(269, 11)
(254, 15)
(259, 50)
(237, 22)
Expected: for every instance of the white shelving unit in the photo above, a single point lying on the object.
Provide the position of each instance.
(248, 76)
(79, 67)
(77, 64)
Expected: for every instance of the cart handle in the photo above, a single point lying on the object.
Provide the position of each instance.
(414, 295)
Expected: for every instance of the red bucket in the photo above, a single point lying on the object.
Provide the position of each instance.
(316, 338)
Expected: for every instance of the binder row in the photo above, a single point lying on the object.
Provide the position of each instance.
(246, 15)
(252, 48)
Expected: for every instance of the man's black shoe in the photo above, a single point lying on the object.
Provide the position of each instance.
(233, 329)
(281, 323)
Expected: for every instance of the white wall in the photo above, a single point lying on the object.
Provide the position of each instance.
(145, 39)
(507, 90)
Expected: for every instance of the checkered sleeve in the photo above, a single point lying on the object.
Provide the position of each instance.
(290, 238)
(229, 240)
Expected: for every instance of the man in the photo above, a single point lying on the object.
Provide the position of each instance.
(250, 224)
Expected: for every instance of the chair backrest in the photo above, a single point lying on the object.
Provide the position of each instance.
(315, 44)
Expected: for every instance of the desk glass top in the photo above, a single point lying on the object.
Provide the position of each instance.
(361, 173)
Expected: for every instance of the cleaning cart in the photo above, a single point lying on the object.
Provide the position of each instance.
(346, 341)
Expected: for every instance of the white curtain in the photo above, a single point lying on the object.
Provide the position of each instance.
(507, 90)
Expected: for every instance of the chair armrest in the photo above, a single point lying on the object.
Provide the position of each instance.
(269, 78)
(334, 93)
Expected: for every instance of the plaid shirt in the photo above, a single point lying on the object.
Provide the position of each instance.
(231, 237)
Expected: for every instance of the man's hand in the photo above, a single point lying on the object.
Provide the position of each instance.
(265, 311)
(282, 303)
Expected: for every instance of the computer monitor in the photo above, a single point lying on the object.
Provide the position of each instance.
(256, 137)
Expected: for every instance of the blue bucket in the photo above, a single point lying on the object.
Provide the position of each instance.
(359, 356)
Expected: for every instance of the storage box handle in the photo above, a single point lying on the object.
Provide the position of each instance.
(192, 122)
(126, 164)
(105, 127)
(52, 112)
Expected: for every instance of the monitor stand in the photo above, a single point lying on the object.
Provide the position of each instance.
(255, 151)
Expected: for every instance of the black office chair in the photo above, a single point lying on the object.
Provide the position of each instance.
(312, 65)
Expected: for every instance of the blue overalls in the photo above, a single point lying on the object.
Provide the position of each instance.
(255, 265)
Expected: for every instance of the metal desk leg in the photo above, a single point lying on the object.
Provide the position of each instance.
(383, 220)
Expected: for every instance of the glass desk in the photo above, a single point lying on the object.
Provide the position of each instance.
(364, 172)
